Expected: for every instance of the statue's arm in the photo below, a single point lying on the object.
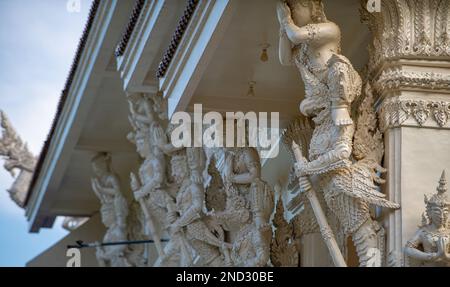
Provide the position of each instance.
(162, 141)
(115, 186)
(157, 179)
(330, 160)
(285, 49)
(320, 33)
(95, 185)
(195, 208)
(253, 168)
(412, 249)
(169, 149)
(142, 119)
(245, 178)
(138, 116)
(296, 35)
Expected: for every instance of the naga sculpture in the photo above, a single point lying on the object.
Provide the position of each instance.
(114, 212)
(430, 245)
(17, 156)
(346, 176)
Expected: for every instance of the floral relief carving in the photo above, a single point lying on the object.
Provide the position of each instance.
(395, 79)
(394, 112)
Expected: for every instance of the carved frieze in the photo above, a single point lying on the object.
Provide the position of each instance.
(393, 79)
(396, 112)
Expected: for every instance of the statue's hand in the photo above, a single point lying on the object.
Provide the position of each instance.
(341, 117)
(210, 213)
(433, 257)
(226, 245)
(300, 168)
(196, 177)
(172, 217)
(283, 12)
(139, 195)
(442, 248)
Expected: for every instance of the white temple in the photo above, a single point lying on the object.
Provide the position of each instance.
(362, 90)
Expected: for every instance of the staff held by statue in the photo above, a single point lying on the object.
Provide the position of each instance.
(149, 220)
(325, 230)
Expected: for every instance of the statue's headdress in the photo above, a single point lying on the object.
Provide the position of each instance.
(102, 157)
(439, 199)
(316, 6)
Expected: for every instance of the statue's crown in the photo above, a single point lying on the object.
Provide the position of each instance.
(440, 198)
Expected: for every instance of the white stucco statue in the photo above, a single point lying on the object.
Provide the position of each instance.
(430, 245)
(249, 205)
(312, 42)
(114, 212)
(150, 188)
(178, 251)
(189, 223)
(17, 157)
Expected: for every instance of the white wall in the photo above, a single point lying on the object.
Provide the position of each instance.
(93, 230)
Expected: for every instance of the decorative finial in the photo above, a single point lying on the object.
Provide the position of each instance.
(442, 188)
(440, 198)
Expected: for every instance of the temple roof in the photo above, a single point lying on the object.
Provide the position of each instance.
(64, 93)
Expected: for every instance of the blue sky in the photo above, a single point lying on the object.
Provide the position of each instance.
(38, 39)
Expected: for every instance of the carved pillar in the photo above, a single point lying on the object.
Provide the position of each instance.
(410, 72)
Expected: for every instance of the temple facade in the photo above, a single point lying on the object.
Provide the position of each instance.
(358, 94)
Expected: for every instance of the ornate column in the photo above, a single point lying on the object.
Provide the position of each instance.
(409, 69)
